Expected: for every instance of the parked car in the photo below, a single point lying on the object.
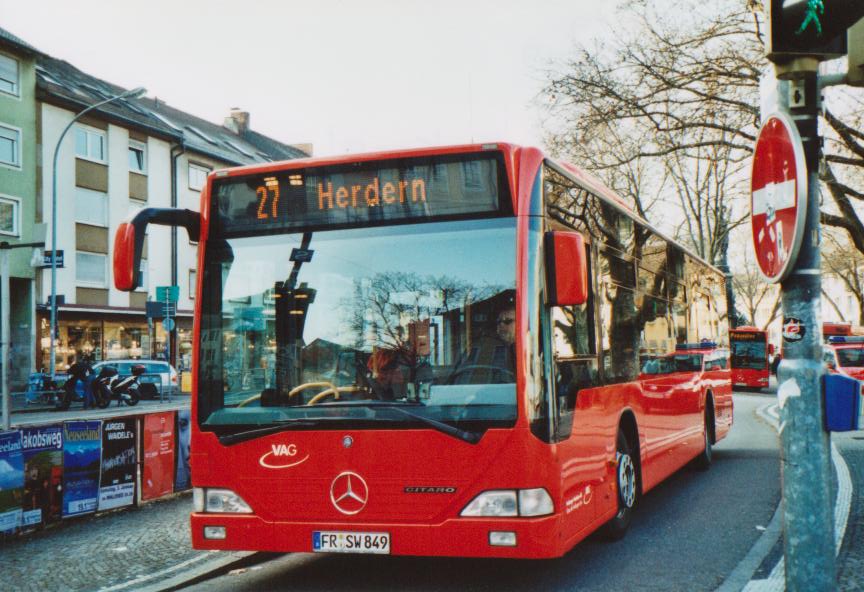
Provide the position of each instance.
(158, 376)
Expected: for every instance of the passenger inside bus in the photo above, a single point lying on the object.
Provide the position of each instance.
(387, 380)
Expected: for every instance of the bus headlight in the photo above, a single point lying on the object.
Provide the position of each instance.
(500, 502)
(535, 502)
(224, 501)
(511, 502)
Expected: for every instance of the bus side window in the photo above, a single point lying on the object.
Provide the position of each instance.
(576, 368)
(620, 329)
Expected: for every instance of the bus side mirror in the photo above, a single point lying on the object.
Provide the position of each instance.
(129, 241)
(770, 349)
(566, 268)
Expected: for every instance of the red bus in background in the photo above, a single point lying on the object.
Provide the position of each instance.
(750, 364)
(835, 330)
(436, 352)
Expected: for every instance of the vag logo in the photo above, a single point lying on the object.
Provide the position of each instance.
(287, 452)
(283, 450)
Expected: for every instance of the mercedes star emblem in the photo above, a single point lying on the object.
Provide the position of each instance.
(349, 493)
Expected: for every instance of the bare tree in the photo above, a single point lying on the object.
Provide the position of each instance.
(704, 180)
(674, 87)
(847, 265)
(681, 96)
(753, 291)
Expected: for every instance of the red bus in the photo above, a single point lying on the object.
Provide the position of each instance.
(750, 363)
(836, 330)
(435, 352)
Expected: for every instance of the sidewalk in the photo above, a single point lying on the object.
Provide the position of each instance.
(145, 547)
(764, 563)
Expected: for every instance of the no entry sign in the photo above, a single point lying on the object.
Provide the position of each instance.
(778, 196)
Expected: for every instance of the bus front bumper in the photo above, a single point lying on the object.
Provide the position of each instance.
(528, 538)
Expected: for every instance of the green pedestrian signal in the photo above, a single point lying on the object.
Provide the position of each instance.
(810, 28)
(811, 17)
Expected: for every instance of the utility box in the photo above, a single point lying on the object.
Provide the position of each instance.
(843, 408)
(855, 37)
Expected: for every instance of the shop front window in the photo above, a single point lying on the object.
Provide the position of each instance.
(123, 342)
(77, 341)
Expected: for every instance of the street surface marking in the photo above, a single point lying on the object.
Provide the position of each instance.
(158, 574)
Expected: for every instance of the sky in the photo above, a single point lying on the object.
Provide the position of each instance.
(344, 76)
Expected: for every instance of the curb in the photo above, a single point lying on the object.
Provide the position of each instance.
(213, 561)
(224, 562)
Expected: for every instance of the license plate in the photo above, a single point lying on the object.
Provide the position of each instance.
(329, 541)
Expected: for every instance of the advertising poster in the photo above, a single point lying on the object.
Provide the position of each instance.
(182, 476)
(11, 481)
(117, 483)
(82, 445)
(158, 451)
(43, 474)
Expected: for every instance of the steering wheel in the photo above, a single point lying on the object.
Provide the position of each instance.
(495, 369)
(329, 389)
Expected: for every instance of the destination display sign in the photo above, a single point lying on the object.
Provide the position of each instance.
(360, 194)
(745, 336)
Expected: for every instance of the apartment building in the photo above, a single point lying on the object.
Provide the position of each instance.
(18, 161)
(127, 155)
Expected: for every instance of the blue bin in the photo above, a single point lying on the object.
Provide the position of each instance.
(842, 402)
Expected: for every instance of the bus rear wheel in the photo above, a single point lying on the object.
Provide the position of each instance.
(626, 480)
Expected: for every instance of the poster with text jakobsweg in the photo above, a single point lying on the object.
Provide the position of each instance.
(43, 474)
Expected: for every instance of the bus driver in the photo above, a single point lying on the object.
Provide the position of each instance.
(491, 359)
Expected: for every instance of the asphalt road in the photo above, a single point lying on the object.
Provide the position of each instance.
(688, 534)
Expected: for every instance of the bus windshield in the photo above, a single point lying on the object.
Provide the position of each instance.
(749, 355)
(850, 357)
(340, 326)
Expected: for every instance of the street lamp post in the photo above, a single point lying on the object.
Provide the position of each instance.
(134, 93)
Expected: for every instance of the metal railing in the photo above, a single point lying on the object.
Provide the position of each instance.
(37, 398)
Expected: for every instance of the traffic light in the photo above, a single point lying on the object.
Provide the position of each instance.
(810, 28)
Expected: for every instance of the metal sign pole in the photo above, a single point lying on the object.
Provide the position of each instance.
(167, 331)
(806, 479)
(5, 333)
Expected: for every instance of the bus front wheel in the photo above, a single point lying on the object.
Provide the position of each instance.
(626, 480)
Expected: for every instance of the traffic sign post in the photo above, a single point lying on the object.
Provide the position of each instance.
(802, 34)
(167, 297)
(786, 232)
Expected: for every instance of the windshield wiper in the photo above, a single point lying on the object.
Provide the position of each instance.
(444, 428)
(287, 424)
(246, 435)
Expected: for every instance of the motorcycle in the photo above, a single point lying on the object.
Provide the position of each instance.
(81, 372)
(124, 389)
